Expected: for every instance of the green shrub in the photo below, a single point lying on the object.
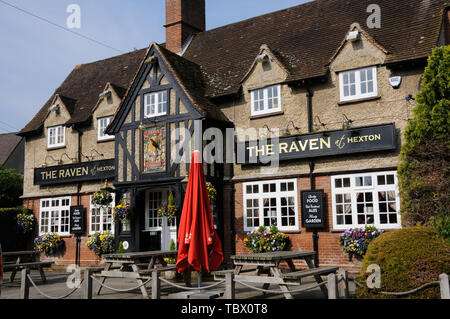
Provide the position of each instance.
(441, 224)
(408, 258)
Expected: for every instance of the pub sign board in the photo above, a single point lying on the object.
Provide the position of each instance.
(313, 212)
(74, 173)
(327, 143)
(77, 220)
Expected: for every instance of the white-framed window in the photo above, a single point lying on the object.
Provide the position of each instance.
(56, 136)
(153, 200)
(102, 124)
(55, 216)
(101, 217)
(266, 100)
(358, 84)
(155, 104)
(366, 199)
(271, 203)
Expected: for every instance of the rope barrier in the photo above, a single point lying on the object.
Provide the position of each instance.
(279, 291)
(50, 297)
(120, 290)
(190, 288)
(390, 293)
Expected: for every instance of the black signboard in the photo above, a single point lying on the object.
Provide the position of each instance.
(326, 143)
(73, 173)
(313, 215)
(77, 220)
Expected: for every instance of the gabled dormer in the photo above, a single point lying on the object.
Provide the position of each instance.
(355, 64)
(58, 113)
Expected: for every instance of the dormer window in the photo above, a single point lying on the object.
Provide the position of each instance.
(266, 100)
(56, 136)
(155, 104)
(102, 125)
(358, 84)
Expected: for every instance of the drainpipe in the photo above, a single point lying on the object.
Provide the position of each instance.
(315, 235)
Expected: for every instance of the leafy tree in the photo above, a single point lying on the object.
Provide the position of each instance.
(424, 170)
(11, 188)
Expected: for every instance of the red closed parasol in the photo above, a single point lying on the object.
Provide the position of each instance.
(198, 243)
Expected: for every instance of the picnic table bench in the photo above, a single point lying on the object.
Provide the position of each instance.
(269, 263)
(131, 265)
(18, 260)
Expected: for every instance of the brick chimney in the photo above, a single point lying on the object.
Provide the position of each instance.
(183, 18)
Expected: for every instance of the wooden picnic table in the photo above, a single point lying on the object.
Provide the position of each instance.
(271, 261)
(27, 259)
(136, 265)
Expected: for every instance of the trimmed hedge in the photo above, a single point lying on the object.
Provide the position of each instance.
(10, 237)
(408, 258)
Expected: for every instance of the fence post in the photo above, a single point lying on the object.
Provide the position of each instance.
(229, 286)
(87, 287)
(445, 289)
(156, 285)
(332, 286)
(343, 283)
(25, 284)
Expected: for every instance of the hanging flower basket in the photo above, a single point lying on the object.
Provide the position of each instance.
(101, 243)
(122, 212)
(102, 198)
(212, 192)
(25, 222)
(50, 244)
(169, 210)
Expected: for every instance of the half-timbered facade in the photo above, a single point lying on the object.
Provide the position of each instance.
(160, 122)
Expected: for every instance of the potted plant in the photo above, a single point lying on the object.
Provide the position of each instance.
(355, 241)
(122, 212)
(170, 261)
(212, 192)
(169, 210)
(265, 240)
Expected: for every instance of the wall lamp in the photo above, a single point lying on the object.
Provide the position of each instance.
(141, 126)
(263, 135)
(73, 159)
(347, 124)
(286, 131)
(315, 126)
(44, 165)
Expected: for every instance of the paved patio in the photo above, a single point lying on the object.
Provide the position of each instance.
(56, 286)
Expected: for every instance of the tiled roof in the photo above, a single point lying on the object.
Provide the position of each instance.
(304, 38)
(308, 35)
(8, 143)
(82, 87)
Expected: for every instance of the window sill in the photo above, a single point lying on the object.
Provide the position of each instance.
(373, 98)
(259, 116)
(105, 140)
(52, 148)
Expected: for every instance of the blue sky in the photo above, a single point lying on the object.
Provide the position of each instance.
(36, 57)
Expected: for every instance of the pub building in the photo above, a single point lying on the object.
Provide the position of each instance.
(317, 97)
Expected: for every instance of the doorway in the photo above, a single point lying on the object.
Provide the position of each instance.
(157, 232)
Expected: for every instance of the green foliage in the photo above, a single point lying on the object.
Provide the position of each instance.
(423, 172)
(120, 250)
(441, 224)
(11, 188)
(172, 245)
(408, 258)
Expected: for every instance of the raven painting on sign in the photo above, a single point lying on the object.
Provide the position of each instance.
(154, 149)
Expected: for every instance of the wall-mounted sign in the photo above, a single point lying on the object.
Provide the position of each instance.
(73, 173)
(77, 220)
(313, 209)
(154, 148)
(327, 143)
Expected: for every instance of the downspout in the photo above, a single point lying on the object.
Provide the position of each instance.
(315, 235)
